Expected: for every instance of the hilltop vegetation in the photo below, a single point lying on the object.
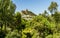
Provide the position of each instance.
(44, 25)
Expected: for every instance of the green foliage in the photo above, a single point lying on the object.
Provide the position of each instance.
(12, 25)
(53, 7)
(13, 34)
(57, 17)
(55, 35)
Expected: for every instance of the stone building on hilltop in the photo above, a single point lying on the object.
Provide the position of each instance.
(26, 14)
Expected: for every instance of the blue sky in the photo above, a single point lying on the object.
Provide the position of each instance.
(36, 6)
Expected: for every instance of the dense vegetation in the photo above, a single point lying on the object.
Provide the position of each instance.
(44, 25)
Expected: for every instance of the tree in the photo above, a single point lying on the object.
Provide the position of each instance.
(45, 14)
(57, 17)
(53, 7)
(18, 21)
(5, 10)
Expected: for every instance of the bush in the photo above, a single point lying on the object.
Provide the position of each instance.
(13, 34)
